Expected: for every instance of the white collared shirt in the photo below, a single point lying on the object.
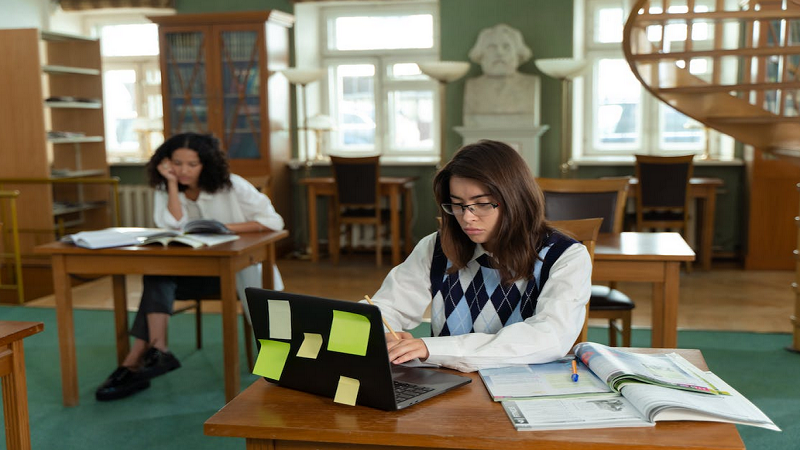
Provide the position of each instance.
(549, 334)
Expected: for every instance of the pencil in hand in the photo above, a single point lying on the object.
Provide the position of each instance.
(384, 320)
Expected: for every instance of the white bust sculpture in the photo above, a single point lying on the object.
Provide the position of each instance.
(501, 96)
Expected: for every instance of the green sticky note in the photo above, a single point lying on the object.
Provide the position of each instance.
(271, 359)
(312, 342)
(347, 391)
(349, 333)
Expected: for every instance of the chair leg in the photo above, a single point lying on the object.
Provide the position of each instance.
(378, 245)
(626, 328)
(612, 333)
(198, 320)
(248, 342)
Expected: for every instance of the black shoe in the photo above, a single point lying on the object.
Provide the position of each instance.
(158, 363)
(122, 383)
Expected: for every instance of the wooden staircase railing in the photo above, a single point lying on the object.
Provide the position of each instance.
(750, 86)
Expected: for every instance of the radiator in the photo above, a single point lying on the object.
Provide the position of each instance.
(136, 205)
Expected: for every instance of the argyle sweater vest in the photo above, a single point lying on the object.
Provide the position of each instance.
(473, 300)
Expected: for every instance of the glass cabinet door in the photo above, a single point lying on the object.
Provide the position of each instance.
(187, 102)
(241, 96)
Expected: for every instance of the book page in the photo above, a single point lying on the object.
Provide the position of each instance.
(606, 411)
(661, 403)
(208, 239)
(537, 380)
(101, 239)
(618, 366)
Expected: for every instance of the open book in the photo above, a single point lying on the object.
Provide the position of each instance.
(196, 233)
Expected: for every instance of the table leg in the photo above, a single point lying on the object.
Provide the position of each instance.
(313, 237)
(66, 331)
(230, 332)
(333, 231)
(657, 315)
(408, 213)
(394, 208)
(709, 202)
(15, 397)
(121, 317)
(259, 444)
(670, 305)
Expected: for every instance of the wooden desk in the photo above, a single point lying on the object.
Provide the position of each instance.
(222, 260)
(15, 390)
(391, 187)
(647, 257)
(704, 191)
(273, 417)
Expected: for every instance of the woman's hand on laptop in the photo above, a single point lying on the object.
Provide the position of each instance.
(405, 349)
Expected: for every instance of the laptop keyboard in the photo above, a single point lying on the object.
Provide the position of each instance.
(406, 391)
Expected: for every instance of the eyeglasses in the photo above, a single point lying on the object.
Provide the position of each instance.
(478, 209)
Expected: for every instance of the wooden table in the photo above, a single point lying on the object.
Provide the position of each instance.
(647, 257)
(15, 390)
(392, 187)
(273, 417)
(222, 260)
(704, 191)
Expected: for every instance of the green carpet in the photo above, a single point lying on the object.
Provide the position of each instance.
(171, 413)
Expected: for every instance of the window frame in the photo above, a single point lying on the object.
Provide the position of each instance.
(383, 84)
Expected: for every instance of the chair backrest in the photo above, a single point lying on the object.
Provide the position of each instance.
(663, 186)
(260, 182)
(357, 181)
(585, 231)
(569, 199)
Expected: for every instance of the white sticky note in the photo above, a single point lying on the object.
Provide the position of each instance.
(280, 319)
(312, 342)
(347, 391)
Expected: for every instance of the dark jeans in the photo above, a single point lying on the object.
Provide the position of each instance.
(160, 292)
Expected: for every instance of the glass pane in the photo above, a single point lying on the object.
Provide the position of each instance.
(355, 90)
(679, 132)
(186, 73)
(129, 40)
(608, 25)
(406, 71)
(241, 100)
(382, 32)
(618, 113)
(119, 92)
(411, 120)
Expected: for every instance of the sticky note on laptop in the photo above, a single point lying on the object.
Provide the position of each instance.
(349, 333)
(280, 319)
(312, 342)
(271, 359)
(347, 391)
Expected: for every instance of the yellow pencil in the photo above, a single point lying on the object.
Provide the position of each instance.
(384, 320)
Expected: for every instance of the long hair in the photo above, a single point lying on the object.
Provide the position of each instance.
(521, 228)
(215, 174)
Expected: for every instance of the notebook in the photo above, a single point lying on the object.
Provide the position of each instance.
(336, 349)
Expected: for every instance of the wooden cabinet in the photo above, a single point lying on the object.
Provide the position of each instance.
(52, 120)
(218, 75)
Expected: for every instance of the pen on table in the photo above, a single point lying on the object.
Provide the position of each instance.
(574, 371)
(384, 320)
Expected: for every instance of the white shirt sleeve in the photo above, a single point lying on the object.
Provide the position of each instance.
(544, 337)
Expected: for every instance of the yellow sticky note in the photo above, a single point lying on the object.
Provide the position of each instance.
(349, 333)
(312, 342)
(347, 391)
(271, 359)
(280, 319)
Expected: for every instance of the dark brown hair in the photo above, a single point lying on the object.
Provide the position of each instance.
(215, 174)
(521, 228)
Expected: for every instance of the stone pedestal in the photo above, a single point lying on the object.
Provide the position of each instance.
(523, 139)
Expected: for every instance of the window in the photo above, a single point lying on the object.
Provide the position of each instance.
(379, 100)
(621, 117)
(131, 87)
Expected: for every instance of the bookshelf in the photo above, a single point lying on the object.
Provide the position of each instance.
(217, 73)
(52, 90)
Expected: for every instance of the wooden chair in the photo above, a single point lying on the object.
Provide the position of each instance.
(10, 254)
(585, 231)
(357, 200)
(662, 193)
(579, 199)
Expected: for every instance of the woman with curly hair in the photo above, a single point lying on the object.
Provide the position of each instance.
(503, 286)
(191, 178)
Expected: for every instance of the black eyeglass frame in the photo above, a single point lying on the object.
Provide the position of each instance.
(448, 208)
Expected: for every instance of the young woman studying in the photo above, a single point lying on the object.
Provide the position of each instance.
(502, 285)
(192, 181)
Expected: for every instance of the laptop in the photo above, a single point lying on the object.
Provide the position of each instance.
(336, 349)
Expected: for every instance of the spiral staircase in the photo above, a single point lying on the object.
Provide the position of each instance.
(734, 66)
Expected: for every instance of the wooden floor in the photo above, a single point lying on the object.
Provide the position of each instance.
(725, 298)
